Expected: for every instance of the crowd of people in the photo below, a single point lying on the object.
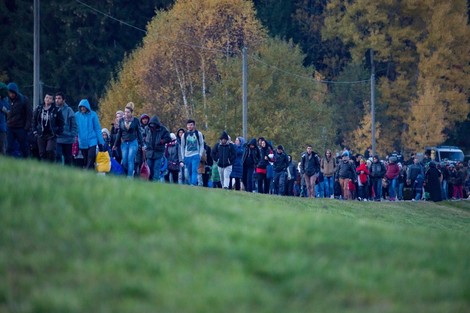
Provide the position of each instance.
(53, 132)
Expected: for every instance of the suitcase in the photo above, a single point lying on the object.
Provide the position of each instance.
(407, 193)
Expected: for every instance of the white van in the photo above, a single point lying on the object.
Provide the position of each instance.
(445, 153)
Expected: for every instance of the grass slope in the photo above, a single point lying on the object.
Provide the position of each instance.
(72, 241)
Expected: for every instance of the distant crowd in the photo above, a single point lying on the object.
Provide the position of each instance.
(53, 132)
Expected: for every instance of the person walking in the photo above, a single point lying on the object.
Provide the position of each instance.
(250, 159)
(128, 139)
(66, 139)
(4, 110)
(192, 149)
(89, 133)
(280, 165)
(310, 167)
(156, 137)
(346, 173)
(48, 122)
(377, 173)
(328, 168)
(19, 121)
(224, 154)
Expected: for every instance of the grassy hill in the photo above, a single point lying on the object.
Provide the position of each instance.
(72, 241)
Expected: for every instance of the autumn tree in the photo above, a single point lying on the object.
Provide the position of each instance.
(361, 138)
(427, 39)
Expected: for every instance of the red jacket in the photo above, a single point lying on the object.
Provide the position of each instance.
(392, 171)
(362, 177)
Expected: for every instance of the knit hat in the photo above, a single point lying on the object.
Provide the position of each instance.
(280, 147)
(224, 135)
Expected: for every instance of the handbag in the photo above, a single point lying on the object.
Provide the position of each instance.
(145, 169)
(173, 166)
(103, 162)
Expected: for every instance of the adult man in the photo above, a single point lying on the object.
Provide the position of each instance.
(413, 171)
(47, 124)
(224, 154)
(4, 110)
(309, 168)
(345, 173)
(19, 121)
(250, 159)
(192, 148)
(156, 137)
(377, 173)
(281, 162)
(67, 137)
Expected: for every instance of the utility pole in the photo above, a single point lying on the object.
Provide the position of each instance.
(245, 92)
(36, 69)
(372, 98)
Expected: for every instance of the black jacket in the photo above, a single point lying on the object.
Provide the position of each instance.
(310, 165)
(55, 123)
(224, 155)
(251, 156)
(156, 136)
(281, 162)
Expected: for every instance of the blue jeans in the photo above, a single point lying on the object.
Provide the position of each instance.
(320, 190)
(129, 151)
(155, 166)
(377, 187)
(329, 186)
(392, 188)
(445, 195)
(192, 163)
(400, 190)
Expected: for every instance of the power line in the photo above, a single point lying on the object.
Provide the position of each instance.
(321, 81)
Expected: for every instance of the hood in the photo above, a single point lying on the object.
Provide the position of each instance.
(105, 130)
(13, 87)
(84, 103)
(253, 142)
(242, 141)
(155, 120)
(224, 135)
(144, 116)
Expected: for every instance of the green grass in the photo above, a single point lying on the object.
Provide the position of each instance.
(72, 241)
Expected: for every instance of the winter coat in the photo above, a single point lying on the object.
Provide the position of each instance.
(433, 182)
(280, 162)
(264, 154)
(89, 128)
(328, 167)
(70, 125)
(224, 155)
(251, 156)
(377, 170)
(237, 168)
(413, 171)
(310, 164)
(346, 169)
(362, 177)
(4, 106)
(156, 137)
(131, 134)
(393, 170)
(53, 124)
(21, 112)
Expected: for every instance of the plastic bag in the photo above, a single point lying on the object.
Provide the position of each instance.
(103, 162)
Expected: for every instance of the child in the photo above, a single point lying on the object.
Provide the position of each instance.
(418, 187)
(215, 176)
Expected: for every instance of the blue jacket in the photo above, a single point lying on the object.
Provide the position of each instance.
(70, 126)
(89, 128)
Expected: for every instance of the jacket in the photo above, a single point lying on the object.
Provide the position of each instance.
(156, 137)
(70, 125)
(392, 171)
(310, 164)
(251, 156)
(4, 108)
(224, 155)
(89, 128)
(346, 170)
(281, 162)
(362, 177)
(237, 169)
(328, 167)
(54, 124)
(377, 170)
(131, 134)
(21, 112)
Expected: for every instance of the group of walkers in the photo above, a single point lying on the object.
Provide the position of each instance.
(54, 132)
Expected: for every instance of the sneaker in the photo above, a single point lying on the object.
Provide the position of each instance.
(332, 197)
(365, 200)
(359, 199)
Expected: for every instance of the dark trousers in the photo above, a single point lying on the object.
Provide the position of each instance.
(174, 177)
(21, 136)
(3, 143)
(248, 178)
(263, 183)
(47, 148)
(280, 183)
(64, 150)
(89, 157)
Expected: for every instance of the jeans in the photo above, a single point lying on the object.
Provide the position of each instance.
(155, 166)
(192, 163)
(21, 136)
(280, 183)
(445, 195)
(392, 188)
(129, 151)
(64, 149)
(320, 190)
(248, 178)
(329, 186)
(400, 190)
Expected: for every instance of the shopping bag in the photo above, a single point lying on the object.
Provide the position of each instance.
(103, 162)
(145, 170)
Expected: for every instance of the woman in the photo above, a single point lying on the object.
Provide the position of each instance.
(433, 182)
(129, 138)
(391, 175)
(328, 168)
(266, 155)
(171, 154)
(250, 159)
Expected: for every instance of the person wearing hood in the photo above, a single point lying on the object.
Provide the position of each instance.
(114, 131)
(48, 123)
(237, 169)
(4, 110)
(129, 139)
(251, 157)
(139, 156)
(89, 133)
(280, 165)
(156, 137)
(393, 170)
(224, 154)
(433, 182)
(345, 173)
(172, 156)
(19, 121)
(377, 173)
(66, 139)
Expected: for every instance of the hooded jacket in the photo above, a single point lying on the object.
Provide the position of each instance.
(4, 107)
(251, 156)
(70, 125)
(224, 154)
(156, 137)
(21, 112)
(48, 122)
(89, 128)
